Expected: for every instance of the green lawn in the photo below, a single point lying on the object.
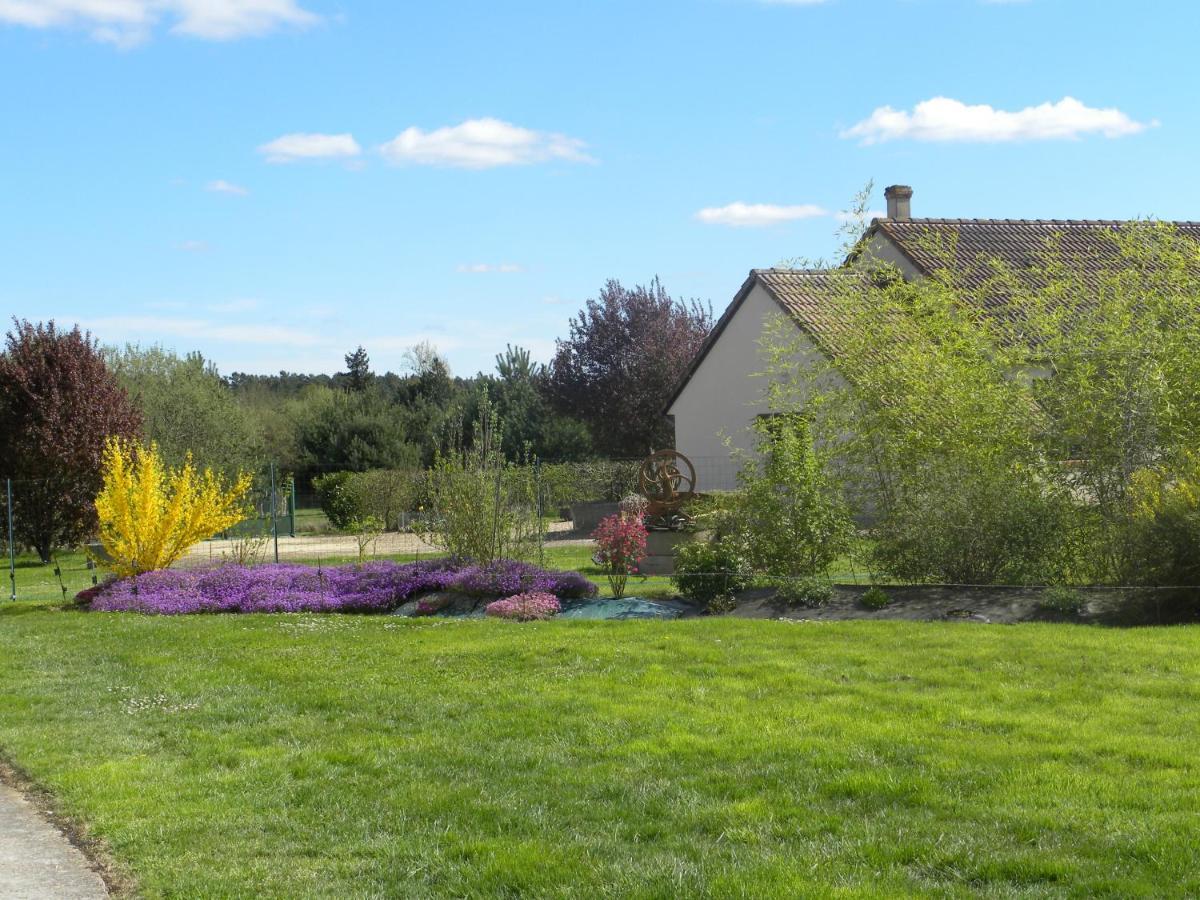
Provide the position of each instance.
(356, 756)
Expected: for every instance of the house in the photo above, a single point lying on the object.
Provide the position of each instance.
(720, 396)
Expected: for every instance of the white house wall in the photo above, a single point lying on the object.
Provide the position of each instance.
(723, 396)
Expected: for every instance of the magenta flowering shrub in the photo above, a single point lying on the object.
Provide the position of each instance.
(288, 587)
(525, 607)
(620, 546)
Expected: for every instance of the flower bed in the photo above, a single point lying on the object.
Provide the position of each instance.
(285, 587)
(525, 607)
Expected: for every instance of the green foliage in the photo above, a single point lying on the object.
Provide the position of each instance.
(787, 516)
(340, 504)
(705, 570)
(1062, 600)
(366, 532)
(349, 430)
(875, 598)
(583, 482)
(187, 408)
(975, 525)
(805, 591)
(983, 447)
(382, 494)
(1163, 543)
(483, 507)
(721, 604)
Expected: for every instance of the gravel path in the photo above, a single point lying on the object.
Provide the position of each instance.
(314, 546)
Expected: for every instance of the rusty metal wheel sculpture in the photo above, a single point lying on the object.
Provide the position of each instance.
(667, 479)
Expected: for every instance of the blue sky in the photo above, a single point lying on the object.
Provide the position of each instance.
(273, 182)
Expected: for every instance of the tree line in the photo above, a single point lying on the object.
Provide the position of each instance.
(62, 396)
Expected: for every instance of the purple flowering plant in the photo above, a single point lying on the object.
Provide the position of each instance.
(290, 587)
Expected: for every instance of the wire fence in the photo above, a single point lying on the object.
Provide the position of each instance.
(292, 520)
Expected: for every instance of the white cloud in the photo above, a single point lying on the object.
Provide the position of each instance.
(193, 246)
(482, 144)
(944, 119)
(756, 215)
(127, 22)
(481, 268)
(293, 147)
(221, 186)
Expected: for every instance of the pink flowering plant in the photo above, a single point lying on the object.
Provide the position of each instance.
(525, 607)
(620, 546)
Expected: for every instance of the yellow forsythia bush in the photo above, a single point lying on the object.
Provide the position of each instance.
(150, 513)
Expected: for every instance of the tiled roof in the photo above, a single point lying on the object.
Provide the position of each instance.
(1018, 243)
(808, 294)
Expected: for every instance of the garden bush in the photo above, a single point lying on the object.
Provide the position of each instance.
(875, 598)
(482, 506)
(787, 518)
(338, 501)
(809, 591)
(1062, 600)
(620, 546)
(972, 525)
(705, 570)
(150, 513)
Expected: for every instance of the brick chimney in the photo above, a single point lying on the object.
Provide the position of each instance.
(899, 202)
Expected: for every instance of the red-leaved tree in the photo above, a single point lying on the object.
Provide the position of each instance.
(58, 405)
(627, 351)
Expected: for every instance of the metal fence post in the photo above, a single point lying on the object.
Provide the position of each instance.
(12, 548)
(292, 506)
(274, 524)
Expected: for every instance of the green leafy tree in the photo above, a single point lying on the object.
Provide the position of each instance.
(346, 431)
(187, 408)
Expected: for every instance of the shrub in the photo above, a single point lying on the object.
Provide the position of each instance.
(525, 607)
(721, 604)
(1163, 543)
(566, 483)
(1063, 601)
(620, 546)
(972, 525)
(366, 532)
(809, 591)
(339, 502)
(151, 514)
(707, 570)
(875, 598)
(483, 507)
(787, 515)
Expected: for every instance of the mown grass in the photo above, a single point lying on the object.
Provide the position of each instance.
(356, 756)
